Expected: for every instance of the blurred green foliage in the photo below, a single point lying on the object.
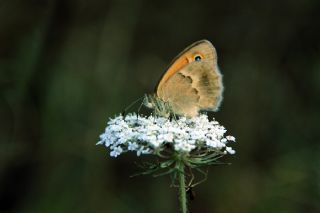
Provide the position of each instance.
(66, 66)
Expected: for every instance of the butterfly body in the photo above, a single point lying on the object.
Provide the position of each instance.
(191, 83)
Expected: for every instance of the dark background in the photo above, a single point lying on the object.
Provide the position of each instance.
(66, 66)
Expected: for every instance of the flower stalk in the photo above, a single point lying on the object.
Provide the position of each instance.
(182, 187)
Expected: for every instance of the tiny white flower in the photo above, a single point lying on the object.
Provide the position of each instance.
(132, 146)
(142, 150)
(166, 137)
(116, 151)
(231, 138)
(103, 138)
(230, 150)
(198, 134)
(115, 128)
(220, 145)
(223, 140)
(211, 143)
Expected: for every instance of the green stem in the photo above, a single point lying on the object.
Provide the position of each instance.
(182, 188)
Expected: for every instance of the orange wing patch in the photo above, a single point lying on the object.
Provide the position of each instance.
(179, 63)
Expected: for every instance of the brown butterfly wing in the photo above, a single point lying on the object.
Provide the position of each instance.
(195, 86)
(180, 94)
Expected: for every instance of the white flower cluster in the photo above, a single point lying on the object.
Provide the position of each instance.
(149, 135)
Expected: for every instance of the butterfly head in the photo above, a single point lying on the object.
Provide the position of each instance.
(160, 107)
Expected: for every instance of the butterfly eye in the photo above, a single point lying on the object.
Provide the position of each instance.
(197, 58)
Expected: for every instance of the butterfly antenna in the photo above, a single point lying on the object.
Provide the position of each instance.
(140, 106)
(124, 112)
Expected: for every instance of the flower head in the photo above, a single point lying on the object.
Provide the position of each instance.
(194, 137)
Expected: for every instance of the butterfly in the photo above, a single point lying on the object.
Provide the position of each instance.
(192, 83)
